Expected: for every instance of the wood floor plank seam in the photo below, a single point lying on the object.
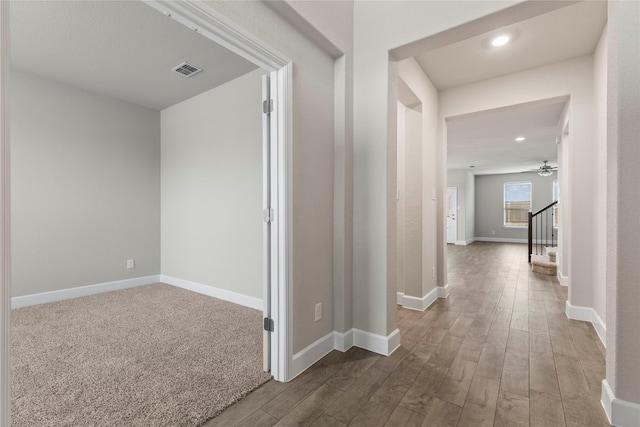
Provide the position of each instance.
(439, 376)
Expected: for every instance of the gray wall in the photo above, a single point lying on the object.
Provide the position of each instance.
(600, 193)
(410, 166)
(335, 20)
(400, 202)
(425, 128)
(85, 187)
(623, 201)
(311, 175)
(212, 187)
(489, 194)
(379, 27)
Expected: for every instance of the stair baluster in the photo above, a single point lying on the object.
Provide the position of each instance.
(538, 228)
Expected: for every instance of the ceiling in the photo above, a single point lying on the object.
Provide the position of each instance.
(486, 140)
(122, 49)
(566, 33)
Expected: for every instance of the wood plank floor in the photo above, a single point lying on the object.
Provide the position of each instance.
(498, 352)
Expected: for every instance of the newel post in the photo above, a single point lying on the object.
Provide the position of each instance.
(530, 236)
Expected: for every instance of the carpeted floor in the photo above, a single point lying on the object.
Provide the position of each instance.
(155, 355)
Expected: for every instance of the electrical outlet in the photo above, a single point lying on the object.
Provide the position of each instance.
(493, 231)
(318, 312)
(433, 273)
(131, 263)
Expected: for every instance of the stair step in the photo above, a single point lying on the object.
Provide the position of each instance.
(551, 251)
(545, 267)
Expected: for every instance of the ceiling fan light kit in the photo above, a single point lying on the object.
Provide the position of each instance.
(546, 170)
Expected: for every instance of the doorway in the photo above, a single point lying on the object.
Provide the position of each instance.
(214, 26)
(452, 214)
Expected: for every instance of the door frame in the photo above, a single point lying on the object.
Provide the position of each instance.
(218, 28)
(5, 224)
(211, 24)
(455, 213)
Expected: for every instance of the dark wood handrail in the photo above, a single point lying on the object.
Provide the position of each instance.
(544, 209)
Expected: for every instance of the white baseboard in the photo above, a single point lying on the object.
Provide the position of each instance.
(81, 291)
(588, 314)
(415, 303)
(464, 242)
(306, 357)
(399, 297)
(343, 342)
(443, 291)
(619, 412)
(377, 343)
(510, 240)
(500, 240)
(606, 399)
(212, 291)
(564, 280)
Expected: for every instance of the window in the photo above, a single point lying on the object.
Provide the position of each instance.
(556, 196)
(517, 204)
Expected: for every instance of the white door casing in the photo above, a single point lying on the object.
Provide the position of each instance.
(5, 224)
(452, 214)
(208, 22)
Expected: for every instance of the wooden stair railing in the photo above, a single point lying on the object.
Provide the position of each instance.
(540, 227)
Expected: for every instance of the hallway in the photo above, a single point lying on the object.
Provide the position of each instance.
(499, 351)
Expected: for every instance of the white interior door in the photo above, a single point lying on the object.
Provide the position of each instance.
(452, 214)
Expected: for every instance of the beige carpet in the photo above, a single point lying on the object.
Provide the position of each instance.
(150, 356)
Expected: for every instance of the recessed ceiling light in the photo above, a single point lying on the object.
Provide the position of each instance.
(520, 138)
(500, 40)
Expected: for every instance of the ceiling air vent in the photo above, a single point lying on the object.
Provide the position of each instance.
(186, 69)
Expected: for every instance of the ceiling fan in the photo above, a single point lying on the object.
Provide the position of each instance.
(545, 169)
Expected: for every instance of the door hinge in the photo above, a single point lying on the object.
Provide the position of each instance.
(268, 325)
(268, 215)
(267, 106)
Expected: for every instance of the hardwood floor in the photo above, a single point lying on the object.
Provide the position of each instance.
(498, 352)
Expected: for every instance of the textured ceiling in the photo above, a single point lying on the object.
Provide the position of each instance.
(123, 49)
(566, 33)
(486, 139)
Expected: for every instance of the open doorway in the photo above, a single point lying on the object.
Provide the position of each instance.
(139, 217)
(475, 80)
(487, 152)
(452, 211)
(470, 74)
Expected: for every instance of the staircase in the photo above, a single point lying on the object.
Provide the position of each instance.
(543, 241)
(546, 263)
